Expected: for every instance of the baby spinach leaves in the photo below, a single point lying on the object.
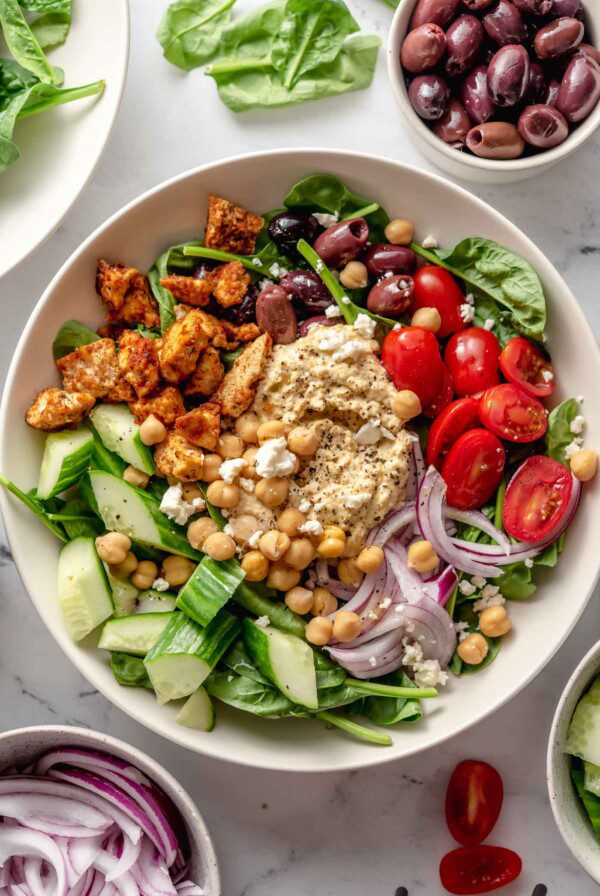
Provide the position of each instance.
(22, 43)
(558, 434)
(36, 506)
(190, 30)
(70, 336)
(327, 193)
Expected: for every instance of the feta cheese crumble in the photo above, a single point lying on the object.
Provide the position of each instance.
(333, 311)
(256, 262)
(428, 674)
(470, 298)
(577, 424)
(277, 270)
(478, 581)
(365, 325)
(352, 350)
(430, 242)
(547, 376)
(311, 527)
(262, 621)
(355, 502)
(255, 538)
(372, 662)
(467, 588)
(528, 562)
(304, 505)
(247, 484)
(489, 323)
(324, 219)
(494, 600)
(160, 584)
(231, 469)
(175, 506)
(467, 313)
(369, 433)
(331, 341)
(273, 459)
(573, 447)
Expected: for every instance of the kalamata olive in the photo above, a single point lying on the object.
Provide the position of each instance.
(551, 93)
(537, 84)
(454, 125)
(275, 315)
(559, 37)
(423, 48)
(307, 291)
(475, 95)
(579, 89)
(244, 313)
(321, 319)
(286, 228)
(508, 75)
(429, 96)
(463, 41)
(495, 140)
(504, 24)
(342, 242)
(391, 296)
(384, 257)
(477, 5)
(533, 7)
(439, 12)
(589, 50)
(571, 8)
(543, 126)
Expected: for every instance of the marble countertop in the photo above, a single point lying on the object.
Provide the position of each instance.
(347, 834)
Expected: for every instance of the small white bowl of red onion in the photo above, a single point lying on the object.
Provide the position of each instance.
(497, 91)
(84, 814)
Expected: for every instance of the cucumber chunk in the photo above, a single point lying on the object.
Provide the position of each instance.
(66, 458)
(124, 594)
(198, 712)
(152, 601)
(83, 591)
(209, 588)
(285, 660)
(133, 634)
(583, 738)
(116, 426)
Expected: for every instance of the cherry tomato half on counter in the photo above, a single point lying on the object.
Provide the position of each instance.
(526, 365)
(512, 414)
(473, 469)
(479, 869)
(473, 801)
(435, 288)
(472, 356)
(413, 361)
(536, 498)
(456, 418)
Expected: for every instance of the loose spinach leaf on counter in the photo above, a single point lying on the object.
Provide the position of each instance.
(22, 43)
(327, 193)
(70, 336)
(559, 435)
(190, 30)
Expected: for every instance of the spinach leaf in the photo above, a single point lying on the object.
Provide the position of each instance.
(465, 613)
(34, 505)
(164, 298)
(248, 695)
(22, 43)
(239, 661)
(77, 519)
(190, 30)
(229, 357)
(46, 6)
(487, 309)
(344, 695)
(327, 193)
(129, 671)
(14, 79)
(72, 335)
(559, 435)
(51, 30)
(329, 674)
(591, 802)
(390, 710)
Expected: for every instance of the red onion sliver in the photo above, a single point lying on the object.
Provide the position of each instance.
(54, 815)
(17, 841)
(88, 759)
(479, 521)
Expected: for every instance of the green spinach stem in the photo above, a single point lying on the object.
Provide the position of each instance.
(360, 731)
(389, 690)
(248, 261)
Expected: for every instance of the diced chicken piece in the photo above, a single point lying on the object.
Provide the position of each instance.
(208, 374)
(179, 458)
(166, 404)
(112, 283)
(57, 409)
(234, 333)
(190, 290)
(123, 391)
(230, 227)
(229, 283)
(235, 394)
(91, 368)
(202, 425)
(138, 362)
(126, 294)
(182, 344)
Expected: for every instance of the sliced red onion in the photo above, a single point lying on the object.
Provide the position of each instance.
(441, 586)
(88, 759)
(479, 521)
(129, 856)
(56, 815)
(411, 584)
(150, 873)
(25, 842)
(341, 591)
(392, 524)
(418, 455)
(188, 888)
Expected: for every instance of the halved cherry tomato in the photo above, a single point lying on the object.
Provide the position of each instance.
(412, 358)
(536, 498)
(473, 801)
(526, 365)
(436, 288)
(472, 358)
(512, 414)
(455, 419)
(473, 469)
(479, 869)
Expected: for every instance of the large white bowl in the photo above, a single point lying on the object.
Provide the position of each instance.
(174, 211)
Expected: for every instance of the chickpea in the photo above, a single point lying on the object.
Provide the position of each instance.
(144, 575)
(199, 530)
(274, 544)
(136, 477)
(177, 570)
(191, 491)
(222, 494)
(354, 275)
(249, 471)
(243, 527)
(349, 573)
(333, 532)
(152, 431)
(421, 557)
(246, 427)
(112, 548)
(584, 464)
(370, 559)
(302, 441)
(272, 492)
(270, 429)
(324, 602)
(427, 318)
(346, 626)
(282, 577)
(399, 232)
(299, 600)
(290, 521)
(332, 543)
(405, 405)
(219, 546)
(123, 570)
(300, 553)
(256, 566)
(473, 650)
(494, 622)
(210, 468)
(230, 446)
(319, 630)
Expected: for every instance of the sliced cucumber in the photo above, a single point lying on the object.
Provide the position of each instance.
(83, 591)
(209, 588)
(124, 508)
(152, 601)
(198, 712)
(285, 660)
(124, 595)
(185, 654)
(66, 458)
(583, 738)
(591, 778)
(134, 634)
(103, 459)
(116, 426)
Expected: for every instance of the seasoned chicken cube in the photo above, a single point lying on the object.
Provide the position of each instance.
(235, 394)
(208, 374)
(112, 283)
(179, 458)
(166, 404)
(91, 368)
(138, 362)
(57, 409)
(123, 391)
(230, 227)
(229, 283)
(126, 294)
(182, 344)
(201, 426)
(190, 290)
(234, 333)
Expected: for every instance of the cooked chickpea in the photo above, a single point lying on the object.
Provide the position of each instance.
(210, 467)
(199, 530)
(406, 404)
(123, 570)
(230, 446)
(299, 600)
(473, 650)
(584, 464)
(354, 275)
(177, 570)
(152, 431)
(246, 427)
(282, 577)
(324, 602)
(223, 494)
(333, 532)
(270, 429)
(494, 622)
(272, 492)
(370, 559)
(399, 232)
(427, 319)
(421, 557)
(332, 542)
(346, 626)
(300, 553)
(256, 566)
(144, 575)
(219, 546)
(303, 441)
(243, 527)
(191, 491)
(290, 521)
(319, 630)
(112, 548)
(349, 573)
(136, 477)
(274, 544)
(249, 471)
